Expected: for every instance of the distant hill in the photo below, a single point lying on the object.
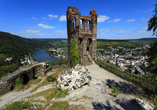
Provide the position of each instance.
(103, 42)
(13, 45)
(16, 47)
(143, 41)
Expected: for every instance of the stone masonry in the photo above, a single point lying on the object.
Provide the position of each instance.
(6, 83)
(84, 30)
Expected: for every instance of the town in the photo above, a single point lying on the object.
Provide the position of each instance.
(130, 60)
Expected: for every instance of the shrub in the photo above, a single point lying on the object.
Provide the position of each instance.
(50, 78)
(155, 99)
(115, 90)
(18, 82)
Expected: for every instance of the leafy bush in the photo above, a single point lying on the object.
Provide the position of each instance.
(50, 79)
(155, 99)
(115, 90)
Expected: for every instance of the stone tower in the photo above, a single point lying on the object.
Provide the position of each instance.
(84, 30)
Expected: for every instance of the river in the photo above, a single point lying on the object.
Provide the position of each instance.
(42, 56)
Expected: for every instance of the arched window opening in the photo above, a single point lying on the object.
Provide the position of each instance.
(88, 24)
(74, 22)
(88, 44)
(81, 23)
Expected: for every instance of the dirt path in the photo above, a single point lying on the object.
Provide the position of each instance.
(19, 95)
(92, 98)
(110, 78)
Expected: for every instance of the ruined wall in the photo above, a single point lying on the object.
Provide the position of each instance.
(7, 82)
(82, 32)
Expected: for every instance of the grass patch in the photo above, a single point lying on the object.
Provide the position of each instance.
(2, 55)
(34, 81)
(45, 82)
(39, 73)
(115, 89)
(18, 83)
(50, 78)
(64, 105)
(18, 105)
(51, 93)
(84, 97)
(56, 74)
(88, 63)
(87, 97)
(60, 70)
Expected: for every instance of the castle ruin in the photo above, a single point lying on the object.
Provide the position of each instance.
(84, 30)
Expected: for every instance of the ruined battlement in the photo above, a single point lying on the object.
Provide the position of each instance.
(84, 30)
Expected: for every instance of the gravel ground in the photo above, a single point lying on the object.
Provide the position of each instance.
(103, 101)
(90, 96)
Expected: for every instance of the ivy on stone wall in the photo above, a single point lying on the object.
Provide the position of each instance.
(75, 54)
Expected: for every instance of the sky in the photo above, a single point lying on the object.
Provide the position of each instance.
(116, 19)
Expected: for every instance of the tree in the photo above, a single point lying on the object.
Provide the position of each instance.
(152, 57)
(152, 53)
(152, 23)
(75, 55)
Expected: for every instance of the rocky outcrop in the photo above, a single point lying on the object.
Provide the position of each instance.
(73, 78)
(143, 103)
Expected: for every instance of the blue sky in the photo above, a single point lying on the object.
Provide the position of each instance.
(117, 19)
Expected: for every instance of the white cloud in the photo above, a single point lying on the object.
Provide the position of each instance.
(102, 18)
(62, 18)
(44, 18)
(150, 10)
(130, 20)
(104, 30)
(12, 28)
(115, 20)
(146, 19)
(144, 28)
(137, 10)
(31, 27)
(61, 31)
(45, 26)
(34, 18)
(114, 30)
(52, 16)
(31, 31)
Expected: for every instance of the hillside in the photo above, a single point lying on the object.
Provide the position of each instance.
(103, 42)
(16, 47)
(143, 41)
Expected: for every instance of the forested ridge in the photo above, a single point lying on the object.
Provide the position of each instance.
(16, 47)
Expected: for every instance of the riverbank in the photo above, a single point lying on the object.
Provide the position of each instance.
(42, 56)
(47, 51)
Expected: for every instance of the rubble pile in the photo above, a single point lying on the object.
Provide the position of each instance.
(73, 78)
(143, 103)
